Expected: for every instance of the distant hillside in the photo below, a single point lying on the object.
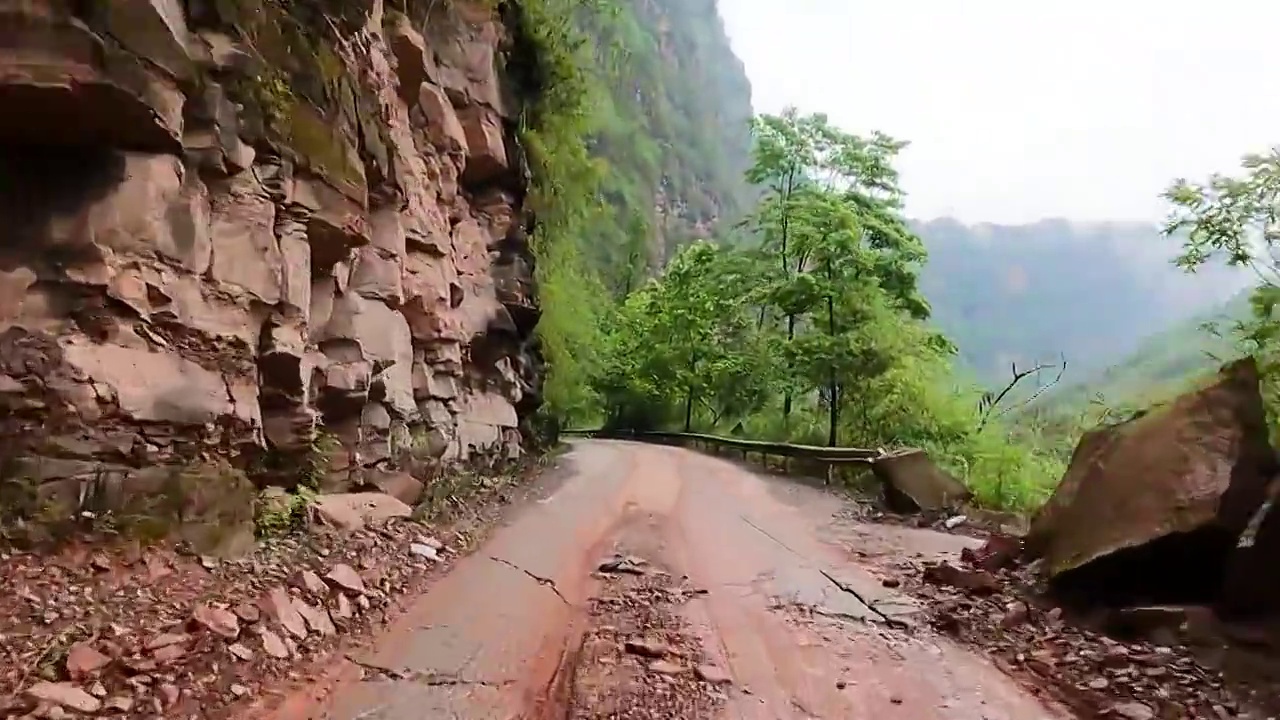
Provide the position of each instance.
(1163, 364)
(1090, 291)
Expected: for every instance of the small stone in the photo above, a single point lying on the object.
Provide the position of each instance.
(216, 620)
(343, 611)
(83, 660)
(309, 581)
(169, 654)
(239, 690)
(345, 578)
(273, 645)
(247, 613)
(666, 667)
(240, 651)
(170, 694)
(1015, 614)
(98, 690)
(64, 695)
(317, 618)
(647, 647)
(622, 566)
(167, 639)
(424, 551)
(713, 674)
(279, 605)
(1098, 684)
(891, 582)
(55, 713)
(1132, 711)
(119, 703)
(208, 562)
(895, 700)
(841, 684)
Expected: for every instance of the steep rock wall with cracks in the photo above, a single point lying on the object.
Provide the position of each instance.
(255, 242)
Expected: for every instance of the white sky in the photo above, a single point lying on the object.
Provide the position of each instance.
(1023, 109)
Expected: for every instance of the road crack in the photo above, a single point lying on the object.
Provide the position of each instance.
(429, 679)
(844, 587)
(548, 582)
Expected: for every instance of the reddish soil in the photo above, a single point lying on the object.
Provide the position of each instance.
(737, 580)
(645, 582)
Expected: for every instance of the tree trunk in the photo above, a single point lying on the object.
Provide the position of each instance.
(791, 319)
(786, 397)
(688, 411)
(833, 385)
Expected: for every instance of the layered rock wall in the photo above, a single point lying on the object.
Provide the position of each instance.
(278, 237)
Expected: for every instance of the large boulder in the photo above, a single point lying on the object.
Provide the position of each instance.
(913, 483)
(1150, 508)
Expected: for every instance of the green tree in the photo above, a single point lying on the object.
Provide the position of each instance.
(1236, 220)
(831, 215)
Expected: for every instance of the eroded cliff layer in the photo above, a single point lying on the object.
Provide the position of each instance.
(267, 239)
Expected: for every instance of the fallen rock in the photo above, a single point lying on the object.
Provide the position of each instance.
(278, 604)
(666, 667)
(976, 582)
(217, 621)
(713, 674)
(247, 613)
(83, 660)
(401, 486)
(64, 695)
(351, 511)
(165, 640)
(622, 565)
(310, 582)
(913, 483)
(119, 703)
(1149, 509)
(240, 652)
(316, 618)
(345, 578)
(423, 550)
(162, 656)
(1131, 711)
(647, 647)
(273, 645)
(996, 553)
(343, 609)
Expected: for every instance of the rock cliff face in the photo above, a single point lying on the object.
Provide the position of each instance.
(249, 242)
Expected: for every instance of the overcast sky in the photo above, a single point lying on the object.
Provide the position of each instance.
(1023, 109)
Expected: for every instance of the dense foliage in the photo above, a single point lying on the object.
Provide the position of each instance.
(1236, 220)
(638, 135)
(811, 327)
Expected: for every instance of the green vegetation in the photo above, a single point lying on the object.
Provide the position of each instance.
(812, 331)
(1234, 220)
(610, 98)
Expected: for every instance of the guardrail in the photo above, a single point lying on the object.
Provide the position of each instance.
(815, 453)
(910, 480)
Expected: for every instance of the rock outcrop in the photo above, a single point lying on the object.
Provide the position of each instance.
(1150, 510)
(255, 237)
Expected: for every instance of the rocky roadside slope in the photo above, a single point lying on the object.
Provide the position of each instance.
(253, 244)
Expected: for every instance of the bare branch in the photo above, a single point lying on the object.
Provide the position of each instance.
(990, 402)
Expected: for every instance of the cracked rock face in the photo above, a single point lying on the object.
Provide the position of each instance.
(232, 233)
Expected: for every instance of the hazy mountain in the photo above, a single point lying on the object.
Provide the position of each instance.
(1090, 291)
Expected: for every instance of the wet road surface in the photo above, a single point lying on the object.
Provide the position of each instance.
(803, 631)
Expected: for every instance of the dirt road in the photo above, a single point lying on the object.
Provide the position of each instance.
(731, 575)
